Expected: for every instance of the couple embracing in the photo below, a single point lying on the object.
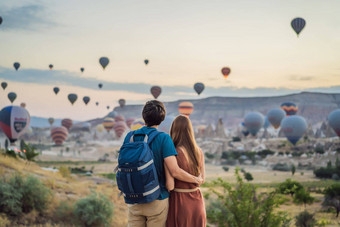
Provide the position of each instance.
(173, 198)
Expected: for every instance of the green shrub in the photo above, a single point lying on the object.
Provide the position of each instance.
(248, 176)
(289, 187)
(305, 219)
(236, 139)
(94, 210)
(9, 200)
(281, 167)
(332, 197)
(266, 152)
(27, 151)
(225, 168)
(319, 150)
(19, 195)
(240, 206)
(292, 169)
(209, 156)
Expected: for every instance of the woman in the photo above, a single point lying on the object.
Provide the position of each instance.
(186, 205)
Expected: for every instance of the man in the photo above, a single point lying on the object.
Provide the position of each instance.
(154, 214)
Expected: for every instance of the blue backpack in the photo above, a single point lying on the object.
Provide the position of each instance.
(137, 175)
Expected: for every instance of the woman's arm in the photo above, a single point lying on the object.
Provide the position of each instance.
(202, 166)
(169, 180)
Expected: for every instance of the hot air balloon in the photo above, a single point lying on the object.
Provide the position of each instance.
(13, 121)
(104, 61)
(119, 128)
(166, 124)
(290, 108)
(100, 85)
(50, 66)
(156, 91)
(16, 65)
(275, 117)
(119, 118)
(146, 61)
(51, 120)
(72, 98)
(112, 114)
(67, 123)
(293, 127)
(129, 122)
(121, 102)
(100, 128)
(23, 105)
(185, 108)
(12, 96)
(0, 20)
(97, 103)
(86, 99)
(4, 85)
(298, 24)
(108, 123)
(254, 122)
(82, 69)
(334, 121)
(199, 87)
(108, 107)
(56, 90)
(137, 124)
(226, 71)
(59, 135)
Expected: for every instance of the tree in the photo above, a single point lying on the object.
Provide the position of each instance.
(241, 206)
(289, 187)
(292, 169)
(303, 197)
(248, 176)
(332, 197)
(329, 164)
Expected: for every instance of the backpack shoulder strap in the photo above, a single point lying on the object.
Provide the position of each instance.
(129, 136)
(152, 136)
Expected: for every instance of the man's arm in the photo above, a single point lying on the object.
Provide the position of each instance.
(169, 180)
(178, 173)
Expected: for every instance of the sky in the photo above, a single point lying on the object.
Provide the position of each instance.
(185, 41)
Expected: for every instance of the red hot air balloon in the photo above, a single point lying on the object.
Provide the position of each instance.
(185, 108)
(156, 91)
(67, 123)
(59, 135)
(13, 121)
(226, 71)
(120, 128)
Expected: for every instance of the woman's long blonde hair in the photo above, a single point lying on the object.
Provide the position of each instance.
(182, 135)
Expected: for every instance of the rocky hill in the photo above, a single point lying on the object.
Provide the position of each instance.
(315, 107)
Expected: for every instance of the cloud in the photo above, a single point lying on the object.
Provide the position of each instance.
(301, 78)
(28, 17)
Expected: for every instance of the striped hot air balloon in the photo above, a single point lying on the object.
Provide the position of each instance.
(119, 118)
(108, 123)
(137, 124)
(120, 128)
(185, 108)
(129, 121)
(59, 135)
(290, 108)
(67, 123)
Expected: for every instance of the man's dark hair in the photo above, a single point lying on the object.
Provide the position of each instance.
(153, 112)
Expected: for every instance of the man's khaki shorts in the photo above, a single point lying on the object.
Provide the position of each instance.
(152, 214)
